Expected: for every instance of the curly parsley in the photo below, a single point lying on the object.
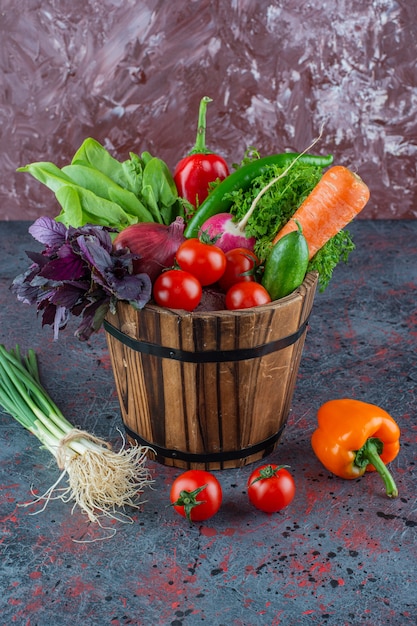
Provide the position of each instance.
(278, 205)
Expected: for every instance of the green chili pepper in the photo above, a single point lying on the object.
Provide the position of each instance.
(286, 265)
(220, 199)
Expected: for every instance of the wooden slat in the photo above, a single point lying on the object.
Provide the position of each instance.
(209, 407)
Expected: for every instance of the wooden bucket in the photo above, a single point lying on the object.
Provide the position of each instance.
(208, 390)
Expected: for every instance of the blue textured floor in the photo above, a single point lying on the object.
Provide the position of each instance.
(342, 553)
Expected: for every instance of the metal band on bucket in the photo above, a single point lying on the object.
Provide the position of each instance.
(208, 356)
(208, 457)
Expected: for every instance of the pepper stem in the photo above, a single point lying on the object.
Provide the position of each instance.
(369, 454)
(200, 142)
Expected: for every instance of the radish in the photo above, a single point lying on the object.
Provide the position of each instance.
(226, 233)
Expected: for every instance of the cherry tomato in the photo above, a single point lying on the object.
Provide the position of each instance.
(177, 289)
(271, 488)
(241, 264)
(246, 295)
(204, 260)
(196, 495)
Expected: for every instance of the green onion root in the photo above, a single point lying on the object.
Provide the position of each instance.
(99, 480)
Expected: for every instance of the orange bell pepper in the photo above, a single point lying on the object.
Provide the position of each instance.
(353, 437)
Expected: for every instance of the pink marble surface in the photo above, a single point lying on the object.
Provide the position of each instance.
(131, 74)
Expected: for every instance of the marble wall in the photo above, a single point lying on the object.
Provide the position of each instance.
(131, 74)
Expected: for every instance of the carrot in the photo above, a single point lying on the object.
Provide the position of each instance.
(337, 198)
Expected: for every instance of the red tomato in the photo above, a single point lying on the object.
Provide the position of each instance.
(204, 260)
(271, 488)
(196, 495)
(241, 264)
(246, 295)
(177, 289)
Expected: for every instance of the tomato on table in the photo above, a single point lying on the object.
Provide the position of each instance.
(245, 295)
(271, 488)
(177, 289)
(205, 261)
(241, 264)
(196, 495)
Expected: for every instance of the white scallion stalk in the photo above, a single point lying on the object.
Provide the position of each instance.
(100, 480)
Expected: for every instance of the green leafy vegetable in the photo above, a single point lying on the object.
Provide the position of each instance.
(278, 205)
(337, 249)
(99, 479)
(159, 190)
(103, 186)
(81, 205)
(108, 192)
(94, 154)
(48, 174)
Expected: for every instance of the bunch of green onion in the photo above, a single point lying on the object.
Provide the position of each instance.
(99, 480)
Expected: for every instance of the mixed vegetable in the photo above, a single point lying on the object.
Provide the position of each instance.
(132, 231)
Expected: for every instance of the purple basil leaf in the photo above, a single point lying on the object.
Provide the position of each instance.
(68, 295)
(95, 255)
(38, 258)
(92, 319)
(136, 289)
(66, 267)
(48, 231)
(98, 233)
(78, 273)
(23, 289)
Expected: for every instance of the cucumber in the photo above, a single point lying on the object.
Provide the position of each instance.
(286, 265)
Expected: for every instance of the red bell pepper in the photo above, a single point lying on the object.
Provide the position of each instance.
(194, 173)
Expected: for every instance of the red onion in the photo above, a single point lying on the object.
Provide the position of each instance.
(156, 244)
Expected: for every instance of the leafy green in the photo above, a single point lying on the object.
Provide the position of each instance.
(95, 188)
(337, 249)
(95, 155)
(88, 177)
(47, 173)
(277, 205)
(82, 205)
(159, 190)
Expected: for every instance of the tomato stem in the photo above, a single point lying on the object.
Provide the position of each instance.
(188, 499)
(200, 142)
(268, 472)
